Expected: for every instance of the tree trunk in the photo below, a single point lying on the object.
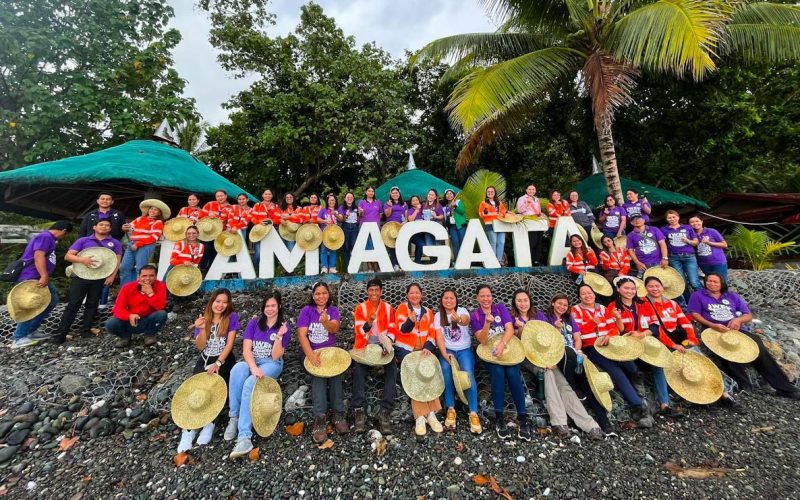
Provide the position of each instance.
(608, 157)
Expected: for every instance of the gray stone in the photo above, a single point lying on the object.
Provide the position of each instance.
(7, 452)
(73, 384)
(5, 427)
(17, 437)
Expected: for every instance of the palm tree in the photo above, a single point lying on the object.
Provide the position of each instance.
(191, 136)
(504, 77)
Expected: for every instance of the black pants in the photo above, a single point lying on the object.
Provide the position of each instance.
(764, 364)
(389, 385)
(80, 289)
(580, 384)
(209, 254)
(224, 370)
(535, 242)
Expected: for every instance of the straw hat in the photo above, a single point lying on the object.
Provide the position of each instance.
(389, 233)
(600, 383)
(641, 291)
(597, 235)
(670, 278)
(621, 348)
(175, 229)
(654, 352)
(421, 376)
(372, 355)
(69, 271)
(513, 354)
(209, 228)
(582, 234)
(288, 230)
(228, 243)
(258, 232)
(265, 406)
(184, 280)
(732, 345)
(27, 300)
(511, 218)
(621, 241)
(146, 204)
(198, 401)
(308, 236)
(333, 237)
(694, 377)
(544, 345)
(105, 261)
(333, 361)
(599, 284)
(461, 380)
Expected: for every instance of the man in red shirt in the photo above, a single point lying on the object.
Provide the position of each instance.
(139, 308)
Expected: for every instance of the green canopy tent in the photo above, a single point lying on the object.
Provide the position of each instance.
(414, 182)
(593, 191)
(131, 172)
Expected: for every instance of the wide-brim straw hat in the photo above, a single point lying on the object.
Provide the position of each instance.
(209, 228)
(198, 400)
(288, 230)
(597, 235)
(600, 383)
(654, 352)
(582, 234)
(421, 376)
(27, 300)
(266, 403)
(694, 377)
(184, 280)
(641, 291)
(620, 242)
(544, 345)
(513, 354)
(389, 233)
(670, 278)
(371, 355)
(69, 271)
(599, 284)
(308, 237)
(333, 361)
(175, 229)
(732, 345)
(333, 237)
(228, 243)
(461, 380)
(620, 348)
(511, 218)
(258, 232)
(105, 261)
(146, 204)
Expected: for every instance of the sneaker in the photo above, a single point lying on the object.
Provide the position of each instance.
(524, 432)
(339, 423)
(607, 427)
(642, 417)
(324, 270)
(397, 267)
(475, 423)
(595, 434)
(123, 343)
(23, 342)
(232, 429)
(150, 340)
(242, 448)
(561, 431)
(319, 430)
(450, 419)
(419, 428)
(187, 437)
(670, 412)
(58, 339)
(37, 335)
(729, 402)
(359, 421)
(385, 422)
(206, 434)
(501, 428)
(436, 426)
(789, 394)
(332, 270)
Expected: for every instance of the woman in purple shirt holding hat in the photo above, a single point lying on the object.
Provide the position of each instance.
(394, 211)
(710, 249)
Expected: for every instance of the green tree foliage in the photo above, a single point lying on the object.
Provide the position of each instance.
(78, 75)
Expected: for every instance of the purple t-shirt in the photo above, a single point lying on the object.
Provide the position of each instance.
(263, 340)
(372, 210)
(567, 329)
(46, 242)
(217, 340)
(398, 210)
(429, 212)
(350, 214)
(410, 212)
(91, 242)
(673, 235)
(318, 336)
(636, 208)
(708, 255)
(728, 306)
(501, 317)
(326, 216)
(613, 220)
(645, 245)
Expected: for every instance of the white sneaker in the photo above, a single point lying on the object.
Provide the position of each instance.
(332, 270)
(242, 448)
(324, 270)
(37, 335)
(187, 437)
(23, 342)
(419, 429)
(232, 429)
(206, 434)
(436, 426)
(397, 267)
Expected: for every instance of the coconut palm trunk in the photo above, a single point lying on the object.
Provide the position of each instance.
(608, 157)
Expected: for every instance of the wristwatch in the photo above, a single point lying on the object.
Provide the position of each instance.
(218, 363)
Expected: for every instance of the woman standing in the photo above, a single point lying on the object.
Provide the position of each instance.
(290, 213)
(348, 218)
(557, 207)
(636, 206)
(432, 211)
(581, 212)
(414, 212)
(217, 209)
(369, 210)
(529, 205)
(489, 211)
(614, 260)
(327, 216)
(681, 240)
(264, 212)
(456, 219)
(143, 234)
(311, 211)
(192, 210)
(580, 258)
(394, 211)
(613, 218)
(710, 249)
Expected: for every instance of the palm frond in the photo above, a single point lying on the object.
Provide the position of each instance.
(580, 12)
(609, 84)
(766, 13)
(474, 191)
(531, 13)
(621, 8)
(756, 248)
(486, 48)
(764, 31)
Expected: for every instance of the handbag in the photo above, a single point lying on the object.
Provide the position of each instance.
(12, 271)
(678, 335)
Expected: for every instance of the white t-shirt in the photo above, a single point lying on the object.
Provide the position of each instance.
(455, 339)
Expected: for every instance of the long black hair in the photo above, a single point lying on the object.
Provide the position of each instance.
(262, 321)
(617, 299)
(551, 310)
(285, 205)
(443, 313)
(514, 311)
(314, 289)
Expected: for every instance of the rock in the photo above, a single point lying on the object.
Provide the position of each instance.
(93, 421)
(75, 407)
(80, 422)
(25, 408)
(5, 427)
(73, 384)
(101, 412)
(7, 452)
(29, 417)
(453, 489)
(520, 459)
(17, 437)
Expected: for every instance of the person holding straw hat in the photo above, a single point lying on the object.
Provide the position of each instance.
(580, 258)
(217, 209)
(290, 214)
(265, 341)
(414, 212)
(214, 335)
(317, 326)
(394, 211)
(646, 245)
(491, 209)
(266, 212)
(192, 210)
(723, 311)
(188, 250)
(327, 217)
(614, 260)
(143, 234)
(348, 217)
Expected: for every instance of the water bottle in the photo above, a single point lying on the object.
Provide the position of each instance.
(579, 365)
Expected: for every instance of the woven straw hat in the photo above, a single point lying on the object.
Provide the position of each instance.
(333, 237)
(654, 352)
(175, 229)
(641, 291)
(731, 345)
(621, 241)
(597, 235)
(184, 280)
(69, 271)
(209, 228)
(228, 243)
(582, 234)
(599, 284)
(600, 383)
(670, 278)
(258, 232)
(288, 230)
(372, 355)
(461, 380)
(27, 300)
(105, 261)
(511, 218)
(308, 236)
(333, 361)
(513, 354)
(694, 377)
(544, 345)
(198, 401)
(389, 233)
(165, 211)
(265, 406)
(621, 348)
(421, 376)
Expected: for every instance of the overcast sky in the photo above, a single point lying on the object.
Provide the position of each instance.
(395, 25)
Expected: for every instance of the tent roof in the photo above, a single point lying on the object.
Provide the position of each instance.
(593, 191)
(414, 182)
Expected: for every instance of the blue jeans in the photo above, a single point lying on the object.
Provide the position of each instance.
(497, 241)
(350, 235)
(619, 372)
(721, 269)
(419, 241)
(686, 264)
(660, 381)
(456, 237)
(241, 388)
(499, 375)
(149, 325)
(133, 261)
(289, 244)
(466, 361)
(327, 257)
(26, 328)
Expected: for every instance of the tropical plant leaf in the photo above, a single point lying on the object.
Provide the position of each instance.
(537, 13)
(756, 248)
(481, 48)
(764, 42)
(609, 84)
(474, 191)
